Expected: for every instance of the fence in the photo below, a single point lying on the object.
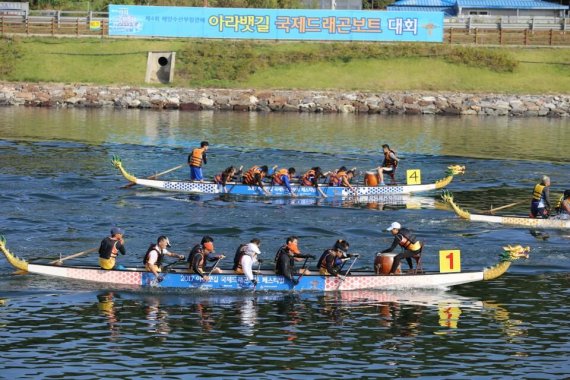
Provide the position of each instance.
(479, 30)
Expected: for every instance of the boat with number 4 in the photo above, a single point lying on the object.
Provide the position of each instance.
(511, 220)
(210, 187)
(266, 280)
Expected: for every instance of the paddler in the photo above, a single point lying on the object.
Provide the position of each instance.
(342, 177)
(332, 259)
(228, 175)
(110, 247)
(246, 257)
(201, 253)
(285, 260)
(283, 177)
(405, 239)
(540, 204)
(196, 159)
(155, 253)
(389, 164)
(563, 206)
(254, 176)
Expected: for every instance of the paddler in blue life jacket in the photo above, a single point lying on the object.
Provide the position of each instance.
(540, 204)
(405, 239)
(201, 253)
(155, 253)
(110, 247)
(332, 259)
(389, 164)
(283, 177)
(196, 159)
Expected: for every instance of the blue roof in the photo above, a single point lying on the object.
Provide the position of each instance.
(448, 11)
(509, 4)
(425, 3)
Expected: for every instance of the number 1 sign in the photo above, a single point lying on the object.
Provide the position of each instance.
(450, 261)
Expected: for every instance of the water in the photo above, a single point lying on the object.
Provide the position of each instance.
(60, 195)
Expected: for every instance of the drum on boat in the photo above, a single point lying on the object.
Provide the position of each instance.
(383, 263)
(371, 179)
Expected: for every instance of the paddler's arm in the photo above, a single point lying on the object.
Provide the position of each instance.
(392, 247)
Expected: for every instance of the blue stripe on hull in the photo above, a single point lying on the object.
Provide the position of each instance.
(234, 282)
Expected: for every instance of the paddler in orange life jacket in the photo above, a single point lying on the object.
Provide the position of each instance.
(286, 257)
(228, 175)
(311, 177)
(201, 253)
(155, 253)
(342, 177)
(110, 247)
(540, 204)
(331, 260)
(282, 177)
(195, 161)
(254, 177)
(246, 257)
(389, 164)
(405, 239)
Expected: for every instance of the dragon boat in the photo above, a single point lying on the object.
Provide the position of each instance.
(521, 221)
(210, 187)
(267, 280)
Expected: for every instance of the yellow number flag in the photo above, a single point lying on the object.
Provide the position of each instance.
(450, 261)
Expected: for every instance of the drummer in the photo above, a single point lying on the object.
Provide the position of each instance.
(389, 164)
(406, 239)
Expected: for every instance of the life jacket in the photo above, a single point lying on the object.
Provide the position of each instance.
(112, 247)
(322, 263)
(151, 248)
(389, 161)
(537, 192)
(249, 176)
(277, 176)
(336, 179)
(408, 241)
(196, 157)
(307, 178)
(239, 254)
(198, 248)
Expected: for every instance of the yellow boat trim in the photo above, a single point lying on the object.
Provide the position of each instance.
(15, 261)
(119, 165)
(447, 196)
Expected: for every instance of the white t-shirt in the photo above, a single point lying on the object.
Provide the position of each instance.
(153, 255)
(249, 259)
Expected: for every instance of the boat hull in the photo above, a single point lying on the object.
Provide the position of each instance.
(266, 281)
(522, 222)
(280, 191)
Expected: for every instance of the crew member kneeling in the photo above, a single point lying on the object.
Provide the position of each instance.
(404, 238)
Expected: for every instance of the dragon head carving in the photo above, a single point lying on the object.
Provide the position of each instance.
(511, 253)
(455, 170)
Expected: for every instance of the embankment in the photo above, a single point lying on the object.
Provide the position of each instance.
(70, 96)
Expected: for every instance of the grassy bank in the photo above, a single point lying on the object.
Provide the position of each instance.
(292, 65)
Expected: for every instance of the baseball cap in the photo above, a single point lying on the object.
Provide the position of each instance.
(117, 230)
(393, 226)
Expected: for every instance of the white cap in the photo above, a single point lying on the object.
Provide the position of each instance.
(394, 226)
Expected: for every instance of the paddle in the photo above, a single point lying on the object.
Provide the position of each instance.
(258, 275)
(216, 264)
(62, 259)
(505, 206)
(320, 191)
(348, 271)
(156, 175)
(302, 271)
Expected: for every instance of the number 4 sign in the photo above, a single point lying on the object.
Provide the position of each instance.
(450, 261)
(413, 177)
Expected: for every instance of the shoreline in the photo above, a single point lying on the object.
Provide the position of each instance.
(250, 100)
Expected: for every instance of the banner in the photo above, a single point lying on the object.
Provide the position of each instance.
(275, 24)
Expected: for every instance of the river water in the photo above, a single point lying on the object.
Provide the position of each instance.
(60, 195)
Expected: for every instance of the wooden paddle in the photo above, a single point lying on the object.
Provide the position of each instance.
(491, 211)
(62, 259)
(156, 175)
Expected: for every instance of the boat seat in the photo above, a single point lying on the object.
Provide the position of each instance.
(418, 258)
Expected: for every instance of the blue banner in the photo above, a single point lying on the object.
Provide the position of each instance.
(275, 24)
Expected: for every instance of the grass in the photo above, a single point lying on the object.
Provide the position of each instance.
(291, 65)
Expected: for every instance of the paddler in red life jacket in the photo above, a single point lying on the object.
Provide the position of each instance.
(331, 260)
(201, 253)
(110, 247)
(389, 164)
(283, 177)
(405, 239)
(254, 177)
(540, 204)
(286, 257)
(155, 253)
(246, 257)
(228, 175)
(196, 159)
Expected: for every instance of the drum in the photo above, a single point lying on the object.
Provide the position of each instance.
(383, 263)
(371, 179)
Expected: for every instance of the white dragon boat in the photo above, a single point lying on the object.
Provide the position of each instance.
(210, 187)
(522, 221)
(267, 280)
